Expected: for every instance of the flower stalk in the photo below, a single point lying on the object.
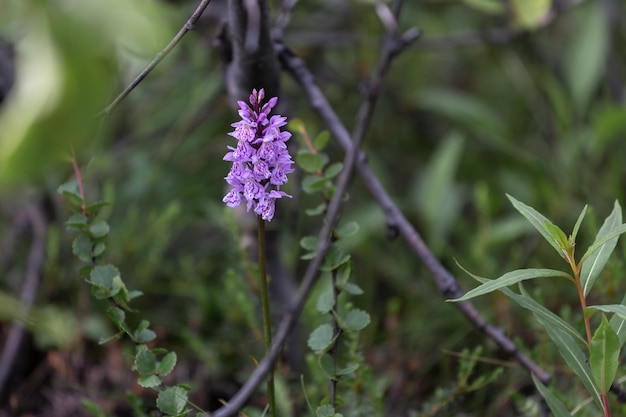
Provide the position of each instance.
(265, 306)
(260, 164)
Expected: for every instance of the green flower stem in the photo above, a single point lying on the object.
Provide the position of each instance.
(265, 304)
(335, 346)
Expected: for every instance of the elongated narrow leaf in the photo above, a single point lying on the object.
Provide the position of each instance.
(618, 309)
(604, 355)
(595, 261)
(510, 278)
(578, 223)
(575, 360)
(618, 324)
(559, 235)
(555, 405)
(547, 317)
(539, 221)
(526, 301)
(598, 245)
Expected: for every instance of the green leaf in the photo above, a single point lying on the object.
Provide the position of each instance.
(486, 6)
(143, 334)
(595, 262)
(555, 405)
(531, 13)
(585, 57)
(77, 220)
(93, 408)
(319, 209)
(334, 260)
(325, 302)
(597, 245)
(149, 381)
(106, 281)
(547, 317)
(134, 294)
(604, 355)
(81, 247)
(70, 188)
(167, 364)
(575, 360)
(309, 242)
(99, 249)
(313, 184)
(346, 230)
(328, 365)
(333, 170)
(94, 208)
(618, 321)
(525, 301)
(344, 273)
(171, 401)
(618, 324)
(559, 235)
(116, 315)
(145, 362)
(435, 193)
(510, 278)
(99, 229)
(572, 237)
(350, 288)
(348, 369)
(321, 338)
(321, 140)
(464, 109)
(618, 309)
(540, 223)
(356, 320)
(309, 162)
(325, 411)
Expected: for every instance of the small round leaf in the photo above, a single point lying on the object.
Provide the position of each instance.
(321, 338)
(357, 320)
(171, 401)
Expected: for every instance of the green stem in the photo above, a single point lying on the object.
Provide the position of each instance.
(265, 304)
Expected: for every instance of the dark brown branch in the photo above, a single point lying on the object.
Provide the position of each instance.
(445, 281)
(254, 63)
(189, 25)
(36, 259)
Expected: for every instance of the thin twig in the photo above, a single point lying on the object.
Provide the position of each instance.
(445, 281)
(284, 16)
(189, 25)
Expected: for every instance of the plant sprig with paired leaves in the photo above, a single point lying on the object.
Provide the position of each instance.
(344, 322)
(89, 245)
(594, 358)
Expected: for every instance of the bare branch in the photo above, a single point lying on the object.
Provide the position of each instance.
(445, 281)
(189, 25)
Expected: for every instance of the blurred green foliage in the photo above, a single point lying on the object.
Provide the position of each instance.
(456, 128)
